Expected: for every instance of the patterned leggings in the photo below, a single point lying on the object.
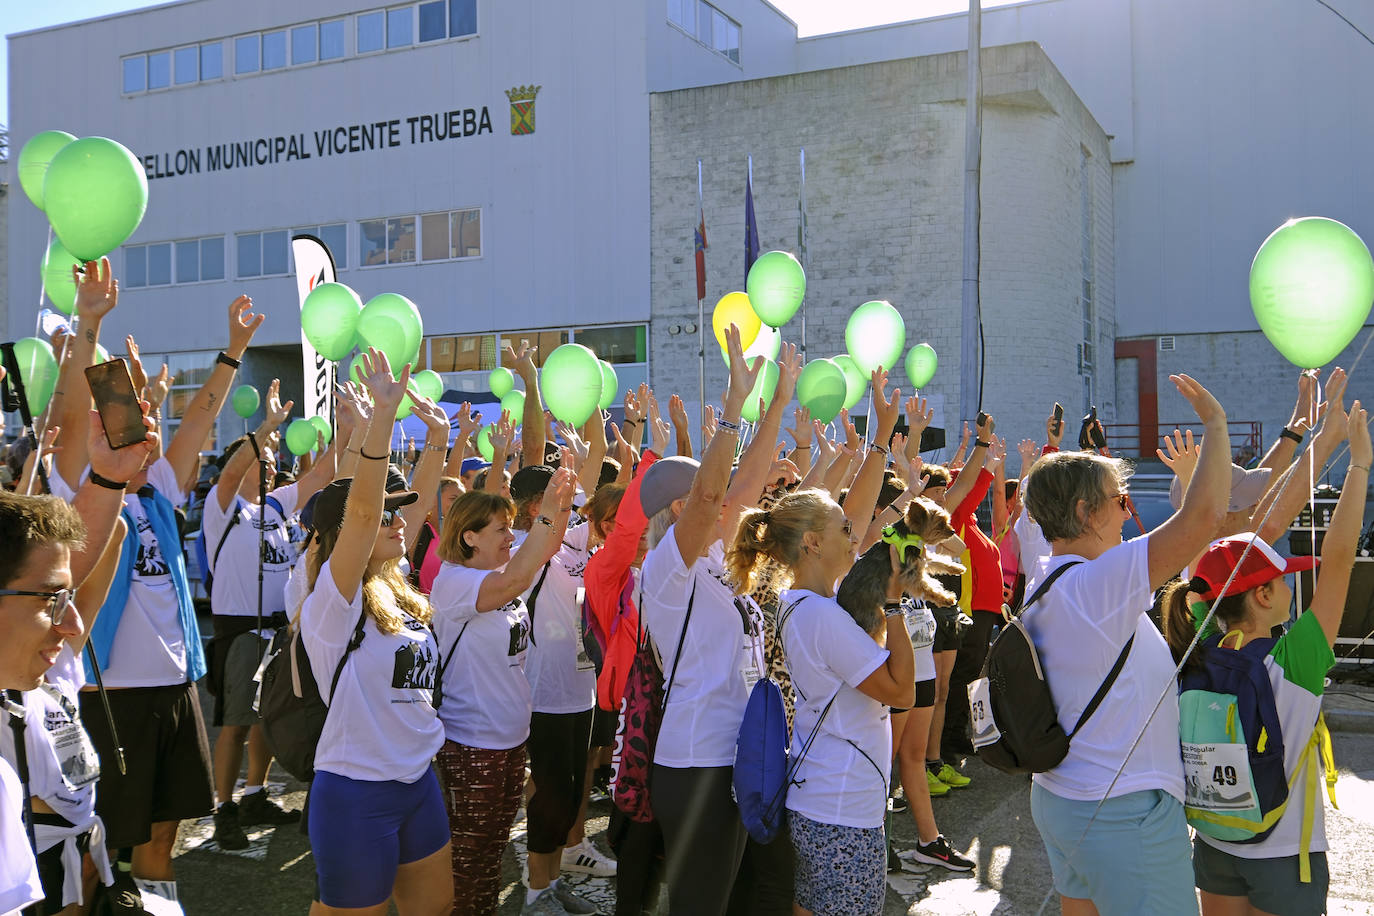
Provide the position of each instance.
(482, 790)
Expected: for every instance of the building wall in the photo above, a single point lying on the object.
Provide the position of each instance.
(884, 156)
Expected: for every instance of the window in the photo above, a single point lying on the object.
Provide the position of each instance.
(462, 18)
(212, 258)
(456, 234)
(159, 264)
(546, 341)
(273, 50)
(703, 32)
(189, 261)
(335, 238)
(332, 40)
(400, 27)
(246, 54)
(263, 254)
(432, 24)
(212, 60)
(386, 241)
(160, 70)
(680, 12)
(135, 265)
(303, 39)
(371, 32)
(627, 344)
(186, 65)
(250, 254)
(135, 73)
(707, 25)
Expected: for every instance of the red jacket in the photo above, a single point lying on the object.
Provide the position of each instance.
(610, 586)
(984, 559)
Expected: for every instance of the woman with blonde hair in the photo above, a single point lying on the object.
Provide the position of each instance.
(376, 821)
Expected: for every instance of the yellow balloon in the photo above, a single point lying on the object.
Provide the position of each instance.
(734, 308)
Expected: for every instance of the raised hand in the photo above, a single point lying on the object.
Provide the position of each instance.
(997, 453)
(387, 390)
(158, 388)
(467, 423)
(897, 449)
(801, 426)
(243, 324)
(432, 415)
(634, 407)
(1029, 450)
(558, 494)
(789, 370)
(742, 377)
(677, 412)
(500, 436)
(1207, 408)
(136, 371)
(659, 431)
(522, 359)
(1179, 453)
(1361, 452)
(1054, 431)
(1305, 410)
(919, 415)
(851, 434)
(885, 408)
(986, 427)
(708, 426)
(123, 463)
(276, 411)
(1334, 420)
(97, 291)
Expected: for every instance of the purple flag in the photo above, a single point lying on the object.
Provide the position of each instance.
(751, 231)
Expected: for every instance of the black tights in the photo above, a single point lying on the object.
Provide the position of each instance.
(702, 836)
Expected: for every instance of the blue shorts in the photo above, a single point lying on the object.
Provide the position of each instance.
(361, 832)
(1135, 858)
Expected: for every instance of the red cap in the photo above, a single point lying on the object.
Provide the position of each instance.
(1262, 563)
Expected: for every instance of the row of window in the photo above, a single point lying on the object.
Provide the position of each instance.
(302, 45)
(707, 25)
(622, 345)
(444, 236)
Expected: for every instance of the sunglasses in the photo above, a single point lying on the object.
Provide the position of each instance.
(1123, 500)
(59, 602)
(389, 517)
(847, 526)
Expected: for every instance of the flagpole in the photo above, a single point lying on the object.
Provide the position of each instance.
(701, 312)
(801, 245)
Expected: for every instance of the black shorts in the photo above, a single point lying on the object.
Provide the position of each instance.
(948, 633)
(925, 697)
(166, 755)
(604, 724)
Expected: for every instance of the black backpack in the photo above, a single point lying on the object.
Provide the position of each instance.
(1015, 726)
(292, 710)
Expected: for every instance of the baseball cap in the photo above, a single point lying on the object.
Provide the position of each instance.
(329, 506)
(474, 464)
(666, 480)
(530, 481)
(1261, 564)
(1247, 488)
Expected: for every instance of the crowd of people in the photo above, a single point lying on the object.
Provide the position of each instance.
(484, 633)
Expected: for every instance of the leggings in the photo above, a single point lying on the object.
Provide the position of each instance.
(638, 849)
(558, 765)
(702, 836)
(482, 791)
(764, 885)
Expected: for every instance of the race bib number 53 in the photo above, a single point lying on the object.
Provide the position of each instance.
(980, 714)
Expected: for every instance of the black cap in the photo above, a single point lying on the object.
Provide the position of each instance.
(329, 504)
(395, 480)
(530, 481)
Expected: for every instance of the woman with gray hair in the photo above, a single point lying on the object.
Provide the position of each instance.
(1111, 814)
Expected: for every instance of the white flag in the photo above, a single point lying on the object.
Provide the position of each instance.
(314, 265)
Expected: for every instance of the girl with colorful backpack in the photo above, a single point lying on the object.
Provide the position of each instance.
(1254, 743)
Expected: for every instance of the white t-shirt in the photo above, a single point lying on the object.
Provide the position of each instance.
(1032, 548)
(382, 726)
(562, 676)
(487, 700)
(721, 654)
(920, 626)
(19, 885)
(63, 766)
(236, 570)
(843, 779)
(149, 647)
(1079, 627)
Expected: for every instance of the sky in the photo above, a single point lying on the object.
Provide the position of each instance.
(813, 17)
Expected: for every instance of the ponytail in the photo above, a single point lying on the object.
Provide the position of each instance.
(1181, 624)
(750, 541)
(774, 534)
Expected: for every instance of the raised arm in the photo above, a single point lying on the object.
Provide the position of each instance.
(800, 432)
(363, 511)
(550, 524)
(354, 413)
(97, 293)
(99, 506)
(746, 488)
(997, 463)
(919, 415)
(594, 434)
(894, 681)
(183, 451)
(1287, 498)
(1338, 546)
(968, 474)
(430, 467)
(245, 456)
(1281, 453)
(467, 425)
(532, 420)
(682, 427)
(499, 437)
(863, 492)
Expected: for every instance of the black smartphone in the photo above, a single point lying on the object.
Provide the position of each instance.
(982, 418)
(1058, 419)
(115, 399)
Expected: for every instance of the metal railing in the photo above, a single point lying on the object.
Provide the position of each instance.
(1247, 438)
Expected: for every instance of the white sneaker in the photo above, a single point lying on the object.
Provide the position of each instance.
(586, 859)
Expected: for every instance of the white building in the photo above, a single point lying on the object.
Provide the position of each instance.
(394, 132)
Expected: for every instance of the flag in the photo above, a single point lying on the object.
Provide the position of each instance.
(314, 265)
(801, 224)
(751, 231)
(700, 234)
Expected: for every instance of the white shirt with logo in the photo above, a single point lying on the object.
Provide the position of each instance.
(561, 674)
(381, 725)
(487, 699)
(19, 885)
(236, 570)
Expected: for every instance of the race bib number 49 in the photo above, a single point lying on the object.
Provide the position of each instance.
(1217, 777)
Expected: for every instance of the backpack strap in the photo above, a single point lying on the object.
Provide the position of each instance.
(353, 642)
(1104, 688)
(534, 596)
(438, 693)
(1045, 585)
(681, 638)
(234, 520)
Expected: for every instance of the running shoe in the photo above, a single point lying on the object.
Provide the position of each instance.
(546, 904)
(228, 832)
(572, 901)
(939, 852)
(586, 859)
(935, 785)
(258, 808)
(952, 777)
(898, 803)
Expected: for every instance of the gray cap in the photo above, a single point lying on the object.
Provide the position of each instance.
(666, 480)
(1247, 488)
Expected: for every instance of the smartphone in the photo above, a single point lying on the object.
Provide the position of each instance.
(115, 399)
(1058, 419)
(982, 418)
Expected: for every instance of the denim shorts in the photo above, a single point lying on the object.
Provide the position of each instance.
(1134, 859)
(1271, 885)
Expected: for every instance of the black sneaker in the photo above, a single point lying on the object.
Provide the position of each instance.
(894, 862)
(939, 852)
(228, 832)
(898, 803)
(258, 808)
(122, 898)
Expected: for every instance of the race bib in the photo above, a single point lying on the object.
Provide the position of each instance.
(1216, 777)
(76, 756)
(920, 623)
(980, 714)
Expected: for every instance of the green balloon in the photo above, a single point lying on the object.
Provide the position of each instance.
(355, 368)
(406, 406)
(572, 383)
(95, 194)
(514, 404)
(855, 382)
(34, 159)
(386, 334)
(875, 336)
(245, 401)
(921, 364)
(610, 385)
(101, 354)
(484, 447)
(57, 277)
(776, 285)
(300, 436)
(428, 383)
(38, 369)
(323, 428)
(1311, 288)
(404, 313)
(821, 388)
(329, 318)
(767, 344)
(764, 387)
(501, 381)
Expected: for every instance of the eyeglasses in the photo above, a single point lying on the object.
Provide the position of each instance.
(389, 517)
(847, 526)
(1123, 500)
(58, 602)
